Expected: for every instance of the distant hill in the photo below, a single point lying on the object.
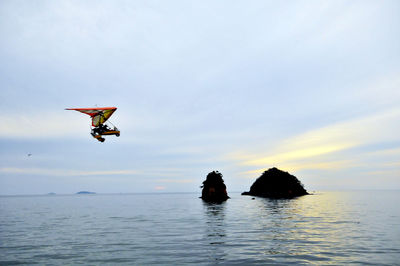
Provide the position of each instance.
(85, 192)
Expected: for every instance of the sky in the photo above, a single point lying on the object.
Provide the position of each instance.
(309, 87)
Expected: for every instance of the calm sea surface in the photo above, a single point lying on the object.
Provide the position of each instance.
(338, 228)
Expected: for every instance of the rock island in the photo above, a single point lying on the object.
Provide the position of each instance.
(275, 183)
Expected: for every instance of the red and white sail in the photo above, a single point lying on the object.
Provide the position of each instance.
(99, 115)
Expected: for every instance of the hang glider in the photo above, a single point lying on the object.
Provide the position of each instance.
(99, 116)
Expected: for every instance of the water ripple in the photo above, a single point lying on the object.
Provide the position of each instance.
(169, 229)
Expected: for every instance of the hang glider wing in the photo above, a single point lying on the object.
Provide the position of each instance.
(99, 115)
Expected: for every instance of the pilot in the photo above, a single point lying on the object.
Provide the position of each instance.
(96, 130)
(104, 128)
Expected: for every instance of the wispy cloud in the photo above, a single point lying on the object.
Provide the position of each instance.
(297, 166)
(302, 153)
(179, 181)
(320, 148)
(160, 172)
(42, 125)
(65, 172)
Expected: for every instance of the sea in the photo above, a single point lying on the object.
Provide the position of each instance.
(325, 228)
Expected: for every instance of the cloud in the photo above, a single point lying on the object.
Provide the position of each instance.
(298, 154)
(297, 166)
(320, 148)
(179, 181)
(64, 172)
(160, 172)
(296, 85)
(42, 125)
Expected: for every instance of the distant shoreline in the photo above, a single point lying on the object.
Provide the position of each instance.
(193, 192)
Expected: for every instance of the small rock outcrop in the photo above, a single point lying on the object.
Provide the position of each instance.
(275, 183)
(214, 189)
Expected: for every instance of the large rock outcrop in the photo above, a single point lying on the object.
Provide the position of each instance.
(214, 189)
(275, 183)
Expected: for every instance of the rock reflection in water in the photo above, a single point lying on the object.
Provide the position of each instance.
(215, 230)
